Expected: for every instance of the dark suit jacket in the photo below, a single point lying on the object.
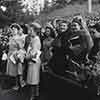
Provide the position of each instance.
(27, 42)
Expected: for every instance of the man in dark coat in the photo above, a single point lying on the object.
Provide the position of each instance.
(75, 43)
(58, 61)
(27, 42)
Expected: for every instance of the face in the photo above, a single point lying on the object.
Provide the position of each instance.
(20, 32)
(63, 27)
(47, 32)
(15, 31)
(75, 26)
(1, 30)
(31, 32)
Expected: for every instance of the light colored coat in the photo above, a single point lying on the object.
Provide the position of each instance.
(11, 67)
(15, 43)
(33, 72)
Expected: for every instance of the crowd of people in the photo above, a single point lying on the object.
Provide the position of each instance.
(65, 48)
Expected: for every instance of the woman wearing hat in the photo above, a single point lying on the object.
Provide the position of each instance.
(15, 54)
(33, 58)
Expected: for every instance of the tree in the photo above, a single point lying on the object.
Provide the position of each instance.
(14, 11)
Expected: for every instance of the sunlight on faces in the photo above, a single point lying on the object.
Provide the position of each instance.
(63, 27)
(75, 26)
(47, 31)
(15, 31)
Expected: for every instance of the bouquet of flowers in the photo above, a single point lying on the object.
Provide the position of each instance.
(18, 56)
(35, 55)
(13, 57)
(21, 55)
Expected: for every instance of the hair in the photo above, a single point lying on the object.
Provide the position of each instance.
(78, 22)
(15, 26)
(52, 32)
(63, 21)
(25, 29)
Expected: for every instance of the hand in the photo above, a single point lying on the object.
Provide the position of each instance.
(34, 56)
(28, 56)
(96, 34)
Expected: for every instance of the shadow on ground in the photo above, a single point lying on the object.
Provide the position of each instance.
(53, 89)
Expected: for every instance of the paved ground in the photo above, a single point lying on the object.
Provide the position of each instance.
(64, 90)
(57, 90)
(6, 93)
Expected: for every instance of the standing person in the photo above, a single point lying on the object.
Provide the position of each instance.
(58, 61)
(20, 40)
(80, 40)
(47, 43)
(80, 44)
(47, 54)
(13, 52)
(34, 62)
(4, 50)
(27, 42)
(1, 46)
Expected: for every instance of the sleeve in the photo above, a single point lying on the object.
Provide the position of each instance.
(89, 40)
(36, 47)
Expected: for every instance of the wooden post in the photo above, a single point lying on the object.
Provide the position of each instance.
(90, 6)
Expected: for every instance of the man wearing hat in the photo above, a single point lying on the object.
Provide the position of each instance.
(58, 61)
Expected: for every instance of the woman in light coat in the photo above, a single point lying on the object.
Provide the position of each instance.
(13, 47)
(14, 64)
(34, 62)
